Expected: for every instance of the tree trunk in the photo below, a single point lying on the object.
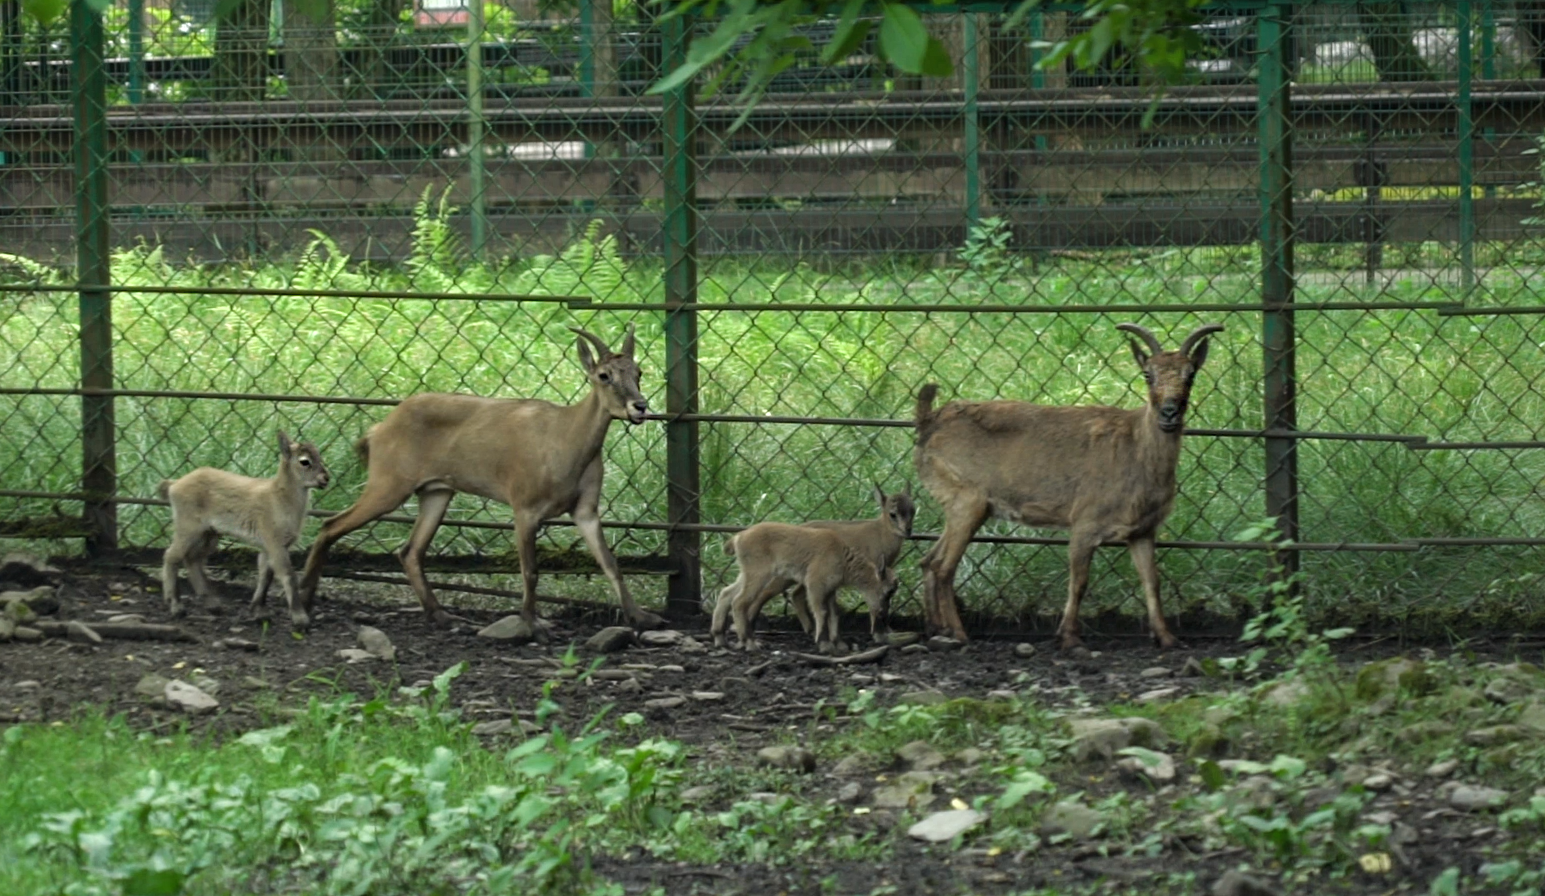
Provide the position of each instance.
(1387, 28)
(312, 74)
(240, 65)
(374, 77)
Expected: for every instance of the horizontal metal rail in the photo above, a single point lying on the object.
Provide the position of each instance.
(962, 308)
(256, 292)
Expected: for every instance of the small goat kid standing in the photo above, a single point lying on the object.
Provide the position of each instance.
(880, 539)
(1104, 474)
(541, 459)
(269, 513)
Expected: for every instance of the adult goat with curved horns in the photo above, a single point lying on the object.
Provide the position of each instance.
(540, 458)
(1104, 474)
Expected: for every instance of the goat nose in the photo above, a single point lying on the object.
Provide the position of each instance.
(641, 406)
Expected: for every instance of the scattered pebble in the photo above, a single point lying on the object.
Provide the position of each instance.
(797, 758)
(1470, 798)
(1024, 650)
(943, 826)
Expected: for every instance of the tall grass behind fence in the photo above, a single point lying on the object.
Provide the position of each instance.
(861, 235)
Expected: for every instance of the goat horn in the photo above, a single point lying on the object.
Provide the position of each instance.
(1145, 334)
(595, 341)
(1197, 335)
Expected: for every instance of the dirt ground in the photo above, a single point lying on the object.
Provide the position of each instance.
(733, 704)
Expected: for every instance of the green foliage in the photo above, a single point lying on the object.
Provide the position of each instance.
(986, 251)
(1283, 625)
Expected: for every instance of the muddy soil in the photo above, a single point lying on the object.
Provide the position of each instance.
(730, 704)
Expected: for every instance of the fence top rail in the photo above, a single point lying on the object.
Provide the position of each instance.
(841, 308)
(255, 292)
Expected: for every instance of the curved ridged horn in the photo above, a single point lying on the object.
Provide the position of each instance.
(1197, 335)
(595, 341)
(1144, 334)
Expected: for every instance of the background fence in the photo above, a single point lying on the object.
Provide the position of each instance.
(215, 227)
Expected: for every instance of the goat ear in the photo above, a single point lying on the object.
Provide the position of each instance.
(1139, 354)
(1199, 354)
(879, 495)
(627, 342)
(284, 445)
(586, 360)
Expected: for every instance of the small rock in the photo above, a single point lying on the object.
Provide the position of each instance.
(152, 685)
(1024, 650)
(1507, 689)
(42, 600)
(128, 617)
(1192, 668)
(252, 682)
(1286, 694)
(19, 613)
(941, 644)
(1379, 782)
(1427, 730)
(1072, 818)
(510, 628)
(943, 826)
(689, 644)
(1104, 737)
(707, 696)
(912, 790)
(676, 670)
(239, 644)
(902, 639)
(494, 727)
(915, 648)
(855, 764)
(1237, 883)
(1442, 769)
(1533, 717)
(27, 685)
(24, 633)
(7, 628)
(696, 796)
(920, 756)
(850, 793)
(923, 698)
(796, 758)
(26, 570)
(764, 796)
(665, 702)
(1001, 694)
(1155, 672)
(630, 686)
(1495, 735)
(1157, 695)
(969, 756)
(1469, 799)
(355, 655)
(661, 638)
(188, 698)
(613, 674)
(1162, 773)
(1389, 678)
(76, 630)
(377, 643)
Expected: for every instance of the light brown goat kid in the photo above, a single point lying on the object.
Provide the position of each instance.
(269, 513)
(773, 556)
(880, 539)
(540, 458)
(1104, 474)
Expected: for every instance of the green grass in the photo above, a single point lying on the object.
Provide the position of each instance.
(1379, 372)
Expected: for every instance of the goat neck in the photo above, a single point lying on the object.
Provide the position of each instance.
(1158, 450)
(587, 423)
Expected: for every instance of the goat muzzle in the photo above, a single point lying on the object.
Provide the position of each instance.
(636, 412)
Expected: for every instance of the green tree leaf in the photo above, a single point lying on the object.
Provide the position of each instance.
(146, 882)
(903, 39)
(45, 11)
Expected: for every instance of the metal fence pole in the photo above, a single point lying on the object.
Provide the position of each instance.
(475, 159)
(88, 86)
(679, 126)
(971, 75)
(1489, 70)
(136, 52)
(1466, 124)
(1277, 336)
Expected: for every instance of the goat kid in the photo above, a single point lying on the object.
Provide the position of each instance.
(540, 458)
(773, 556)
(879, 539)
(1104, 474)
(269, 513)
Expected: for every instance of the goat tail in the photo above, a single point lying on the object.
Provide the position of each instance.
(925, 397)
(729, 545)
(362, 448)
(164, 489)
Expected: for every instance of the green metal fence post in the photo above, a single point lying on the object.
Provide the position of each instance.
(679, 125)
(475, 127)
(971, 75)
(1277, 336)
(99, 469)
(136, 52)
(1462, 14)
(1489, 71)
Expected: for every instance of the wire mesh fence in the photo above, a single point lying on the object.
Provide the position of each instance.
(293, 215)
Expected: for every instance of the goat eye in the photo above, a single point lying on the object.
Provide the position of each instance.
(606, 377)
(305, 461)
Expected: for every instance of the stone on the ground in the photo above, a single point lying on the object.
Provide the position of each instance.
(1391, 677)
(851, 792)
(1286, 693)
(1104, 737)
(902, 639)
(797, 758)
(1469, 798)
(132, 617)
(923, 698)
(18, 612)
(1192, 668)
(377, 643)
(27, 634)
(707, 696)
(665, 702)
(630, 686)
(942, 644)
(1155, 672)
(239, 644)
(611, 639)
(661, 638)
(254, 683)
(1378, 782)
(494, 727)
(1508, 689)
(942, 826)
(855, 764)
(188, 698)
(204, 683)
(355, 655)
(1532, 717)
(1237, 883)
(912, 790)
(1493, 735)
(920, 755)
(76, 630)
(26, 570)
(689, 644)
(1161, 772)
(969, 756)
(1429, 729)
(510, 628)
(1157, 695)
(1069, 817)
(1001, 694)
(152, 685)
(696, 796)
(41, 600)
(1024, 650)
(1442, 769)
(7, 628)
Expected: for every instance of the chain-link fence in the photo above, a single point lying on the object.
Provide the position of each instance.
(294, 214)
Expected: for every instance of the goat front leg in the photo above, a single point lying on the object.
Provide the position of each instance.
(962, 519)
(799, 602)
(588, 520)
(279, 560)
(265, 577)
(1147, 563)
(375, 501)
(432, 504)
(721, 611)
(747, 607)
(1081, 545)
(526, 524)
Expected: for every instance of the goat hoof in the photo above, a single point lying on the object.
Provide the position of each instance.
(300, 621)
(644, 621)
(441, 619)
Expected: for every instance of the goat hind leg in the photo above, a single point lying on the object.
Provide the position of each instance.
(961, 522)
(265, 576)
(1081, 545)
(1142, 553)
(432, 504)
(525, 543)
(589, 525)
(372, 503)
